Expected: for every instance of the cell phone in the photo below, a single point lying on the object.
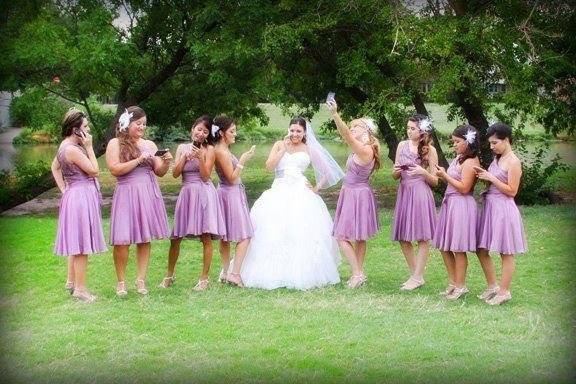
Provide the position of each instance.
(405, 167)
(196, 144)
(330, 97)
(161, 152)
(80, 133)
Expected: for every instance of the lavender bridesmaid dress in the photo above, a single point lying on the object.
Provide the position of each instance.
(197, 208)
(356, 215)
(500, 227)
(456, 228)
(138, 211)
(79, 217)
(415, 213)
(234, 206)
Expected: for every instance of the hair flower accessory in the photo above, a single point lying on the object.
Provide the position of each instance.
(470, 136)
(370, 124)
(124, 120)
(426, 125)
(214, 129)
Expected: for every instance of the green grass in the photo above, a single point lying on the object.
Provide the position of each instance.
(373, 334)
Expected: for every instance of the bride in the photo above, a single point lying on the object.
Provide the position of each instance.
(293, 245)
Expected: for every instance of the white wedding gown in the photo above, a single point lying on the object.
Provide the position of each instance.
(292, 245)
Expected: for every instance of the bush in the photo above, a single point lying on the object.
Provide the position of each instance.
(169, 134)
(101, 118)
(535, 186)
(18, 185)
(39, 111)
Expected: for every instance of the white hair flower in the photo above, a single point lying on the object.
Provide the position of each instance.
(214, 129)
(370, 124)
(124, 120)
(426, 125)
(470, 136)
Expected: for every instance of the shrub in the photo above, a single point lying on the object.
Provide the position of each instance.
(38, 110)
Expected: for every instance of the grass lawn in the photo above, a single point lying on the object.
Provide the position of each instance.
(372, 334)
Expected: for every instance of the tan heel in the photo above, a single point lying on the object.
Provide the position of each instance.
(121, 289)
(141, 287)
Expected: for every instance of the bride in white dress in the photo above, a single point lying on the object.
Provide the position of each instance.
(292, 245)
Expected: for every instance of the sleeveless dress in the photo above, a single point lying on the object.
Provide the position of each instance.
(292, 245)
(356, 215)
(500, 227)
(79, 217)
(456, 228)
(138, 212)
(197, 208)
(414, 213)
(234, 207)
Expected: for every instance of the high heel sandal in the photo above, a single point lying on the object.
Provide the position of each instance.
(412, 284)
(356, 281)
(500, 299)
(457, 293)
(84, 295)
(489, 293)
(167, 281)
(201, 285)
(235, 281)
(449, 289)
(141, 287)
(69, 286)
(121, 289)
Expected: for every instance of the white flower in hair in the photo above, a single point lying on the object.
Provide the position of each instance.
(426, 125)
(214, 129)
(470, 136)
(370, 124)
(124, 120)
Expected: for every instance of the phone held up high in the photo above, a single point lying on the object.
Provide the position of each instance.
(330, 97)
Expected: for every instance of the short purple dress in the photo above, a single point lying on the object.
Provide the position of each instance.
(456, 228)
(415, 213)
(138, 212)
(356, 215)
(79, 218)
(500, 227)
(234, 207)
(197, 208)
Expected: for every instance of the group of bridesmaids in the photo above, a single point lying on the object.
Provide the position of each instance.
(138, 214)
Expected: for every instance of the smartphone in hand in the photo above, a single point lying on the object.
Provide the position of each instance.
(330, 97)
(161, 152)
(405, 167)
(80, 133)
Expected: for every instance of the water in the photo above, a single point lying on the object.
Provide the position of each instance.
(11, 155)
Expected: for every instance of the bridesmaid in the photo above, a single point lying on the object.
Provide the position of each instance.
(500, 227)
(456, 228)
(233, 202)
(197, 212)
(415, 213)
(356, 217)
(75, 170)
(138, 213)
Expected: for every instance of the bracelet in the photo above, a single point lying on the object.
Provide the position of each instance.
(240, 166)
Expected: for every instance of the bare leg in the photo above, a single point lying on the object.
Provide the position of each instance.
(508, 266)
(120, 255)
(461, 265)
(350, 254)
(421, 259)
(241, 249)
(80, 264)
(361, 253)
(173, 255)
(487, 267)
(225, 254)
(142, 257)
(70, 275)
(408, 252)
(207, 252)
(450, 264)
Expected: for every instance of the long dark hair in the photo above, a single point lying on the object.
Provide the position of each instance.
(501, 131)
(425, 140)
(225, 123)
(472, 148)
(128, 148)
(206, 121)
(301, 122)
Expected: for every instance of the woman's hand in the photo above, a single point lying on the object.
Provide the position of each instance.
(417, 170)
(440, 171)
(332, 106)
(167, 157)
(286, 143)
(483, 174)
(86, 141)
(247, 155)
(144, 156)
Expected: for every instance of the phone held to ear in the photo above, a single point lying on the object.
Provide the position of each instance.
(80, 133)
(161, 152)
(330, 97)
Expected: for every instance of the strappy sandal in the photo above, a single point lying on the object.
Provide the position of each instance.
(412, 284)
(489, 293)
(69, 286)
(449, 289)
(141, 287)
(457, 293)
(167, 282)
(121, 289)
(222, 276)
(201, 285)
(84, 296)
(499, 299)
(235, 280)
(356, 281)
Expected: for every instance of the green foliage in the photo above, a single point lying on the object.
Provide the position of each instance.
(168, 134)
(21, 181)
(38, 110)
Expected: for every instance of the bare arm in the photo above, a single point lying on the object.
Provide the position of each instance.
(232, 174)
(364, 152)
(88, 164)
(396, 171)
(57, 174)
(161, 163)
(206, 160)
(514, 175)
(116, 167)
(181, 157)
(276, 153)
(465, 185)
